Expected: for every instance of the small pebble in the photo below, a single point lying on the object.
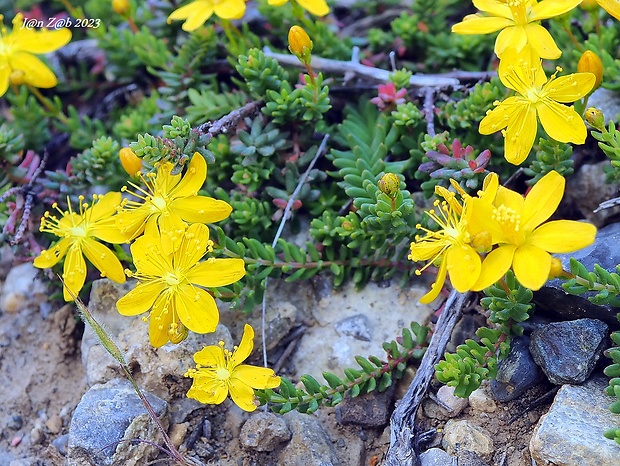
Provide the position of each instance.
(61, 444)
(14, 422)
(178, 433)
(37, 436)
(16, 441)
(54, 424)
(481, 402)
(206, 429)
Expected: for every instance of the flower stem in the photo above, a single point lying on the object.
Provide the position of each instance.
(47, 103)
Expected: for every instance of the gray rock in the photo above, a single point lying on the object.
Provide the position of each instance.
(61, 443)
(445, 404)
(22, 288)
(481, 402)
(181, 408)
(13, 422)
(607, 101)
(436, 457)
(108, 414)
(465, 435)
(206, 429)
(357, 326)
(368, 410)
(603, 252)
(469, 458)
(517, 373)
(571, 433)
(567, 351)
(264, 432)
(309, 445)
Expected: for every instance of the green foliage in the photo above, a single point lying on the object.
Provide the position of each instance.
(466, 113)
(372, 374)
(29, 119)
(473, 362)
(400, 78)
(609, 142)
(605, 284)
(11, 146)
(138, 119)
(82, 129)
(208, 104)
(407, 115)
(260, 73)
(100, 164)
(613, 389)
(551, 155)
(509, 305)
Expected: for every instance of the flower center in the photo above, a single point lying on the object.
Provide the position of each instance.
(159, 202)
(171, 279)
(78, 232)
(519, 11)
(222, 373)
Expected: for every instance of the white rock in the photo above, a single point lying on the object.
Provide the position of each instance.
(480, 401)
(22, 288)
(465, 435)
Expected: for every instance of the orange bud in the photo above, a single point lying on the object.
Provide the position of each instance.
(130, 161)
(299, 44)
(591, 63)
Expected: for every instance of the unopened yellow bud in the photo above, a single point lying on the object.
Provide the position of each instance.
(595, 118)
(389, 184)
(130, 161)
(299, 44)
(591, 63)
(556, 269)
(589, 5)
(120, 7)
(177, 332)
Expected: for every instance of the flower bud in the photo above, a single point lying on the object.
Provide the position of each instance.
(595, 118)
(130, 161)
(120, 7)
(17, 77)
(299, 44)
(177, 332)
(556, 269)
(591, 63)
(389, 184)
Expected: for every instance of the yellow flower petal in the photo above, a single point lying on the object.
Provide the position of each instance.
(230, 9)
(277, 2)
(257, 377)
(210, 356)
(201, 209)
(195, 14)
(171, 228)
(36, 73)
(611, 6)
(563, 236)
(196, 309)
(243, 395)
(140, 299)
(463, 267)
(520, 134)
(5, 72)
(208, 390)
(550, 8)
(43, 41)
(541, 41)
(50, 257)
(159, 322)
(499, 117)
(531, 266)
(193, 180)
(195, 246)
(514, 36)
(494, 266)
(438, 285)
(542, 200)
(104, 260)
(74, 272)
(104, 207)
(316, 7)
(475, 24)
(493, 7)
(569, 88)
(149, 258)
(217, 272)
(244, 349)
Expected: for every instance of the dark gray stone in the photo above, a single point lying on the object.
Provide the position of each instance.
(517, 373)
(101, 420)
(368, 410)
(436, 457)
(309, 445)
(14, 422)
(469, 458)
(264, 432)
(357, 326)
(61, 443)
(603, 252)
(567, 351)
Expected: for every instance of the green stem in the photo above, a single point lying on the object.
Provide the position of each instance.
(47, 103)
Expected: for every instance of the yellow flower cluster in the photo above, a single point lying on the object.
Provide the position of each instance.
(480, 238)
(521, 45)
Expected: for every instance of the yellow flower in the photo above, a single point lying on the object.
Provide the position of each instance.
(299, 44)
(450, 245)
(17, 50)
(219, 372)
(79, 233)
(591, 63)
(536, 98)
(316, 7)
(168, 202)
(171, 284)
(196, 13)
(519, 21)
(524, 242)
